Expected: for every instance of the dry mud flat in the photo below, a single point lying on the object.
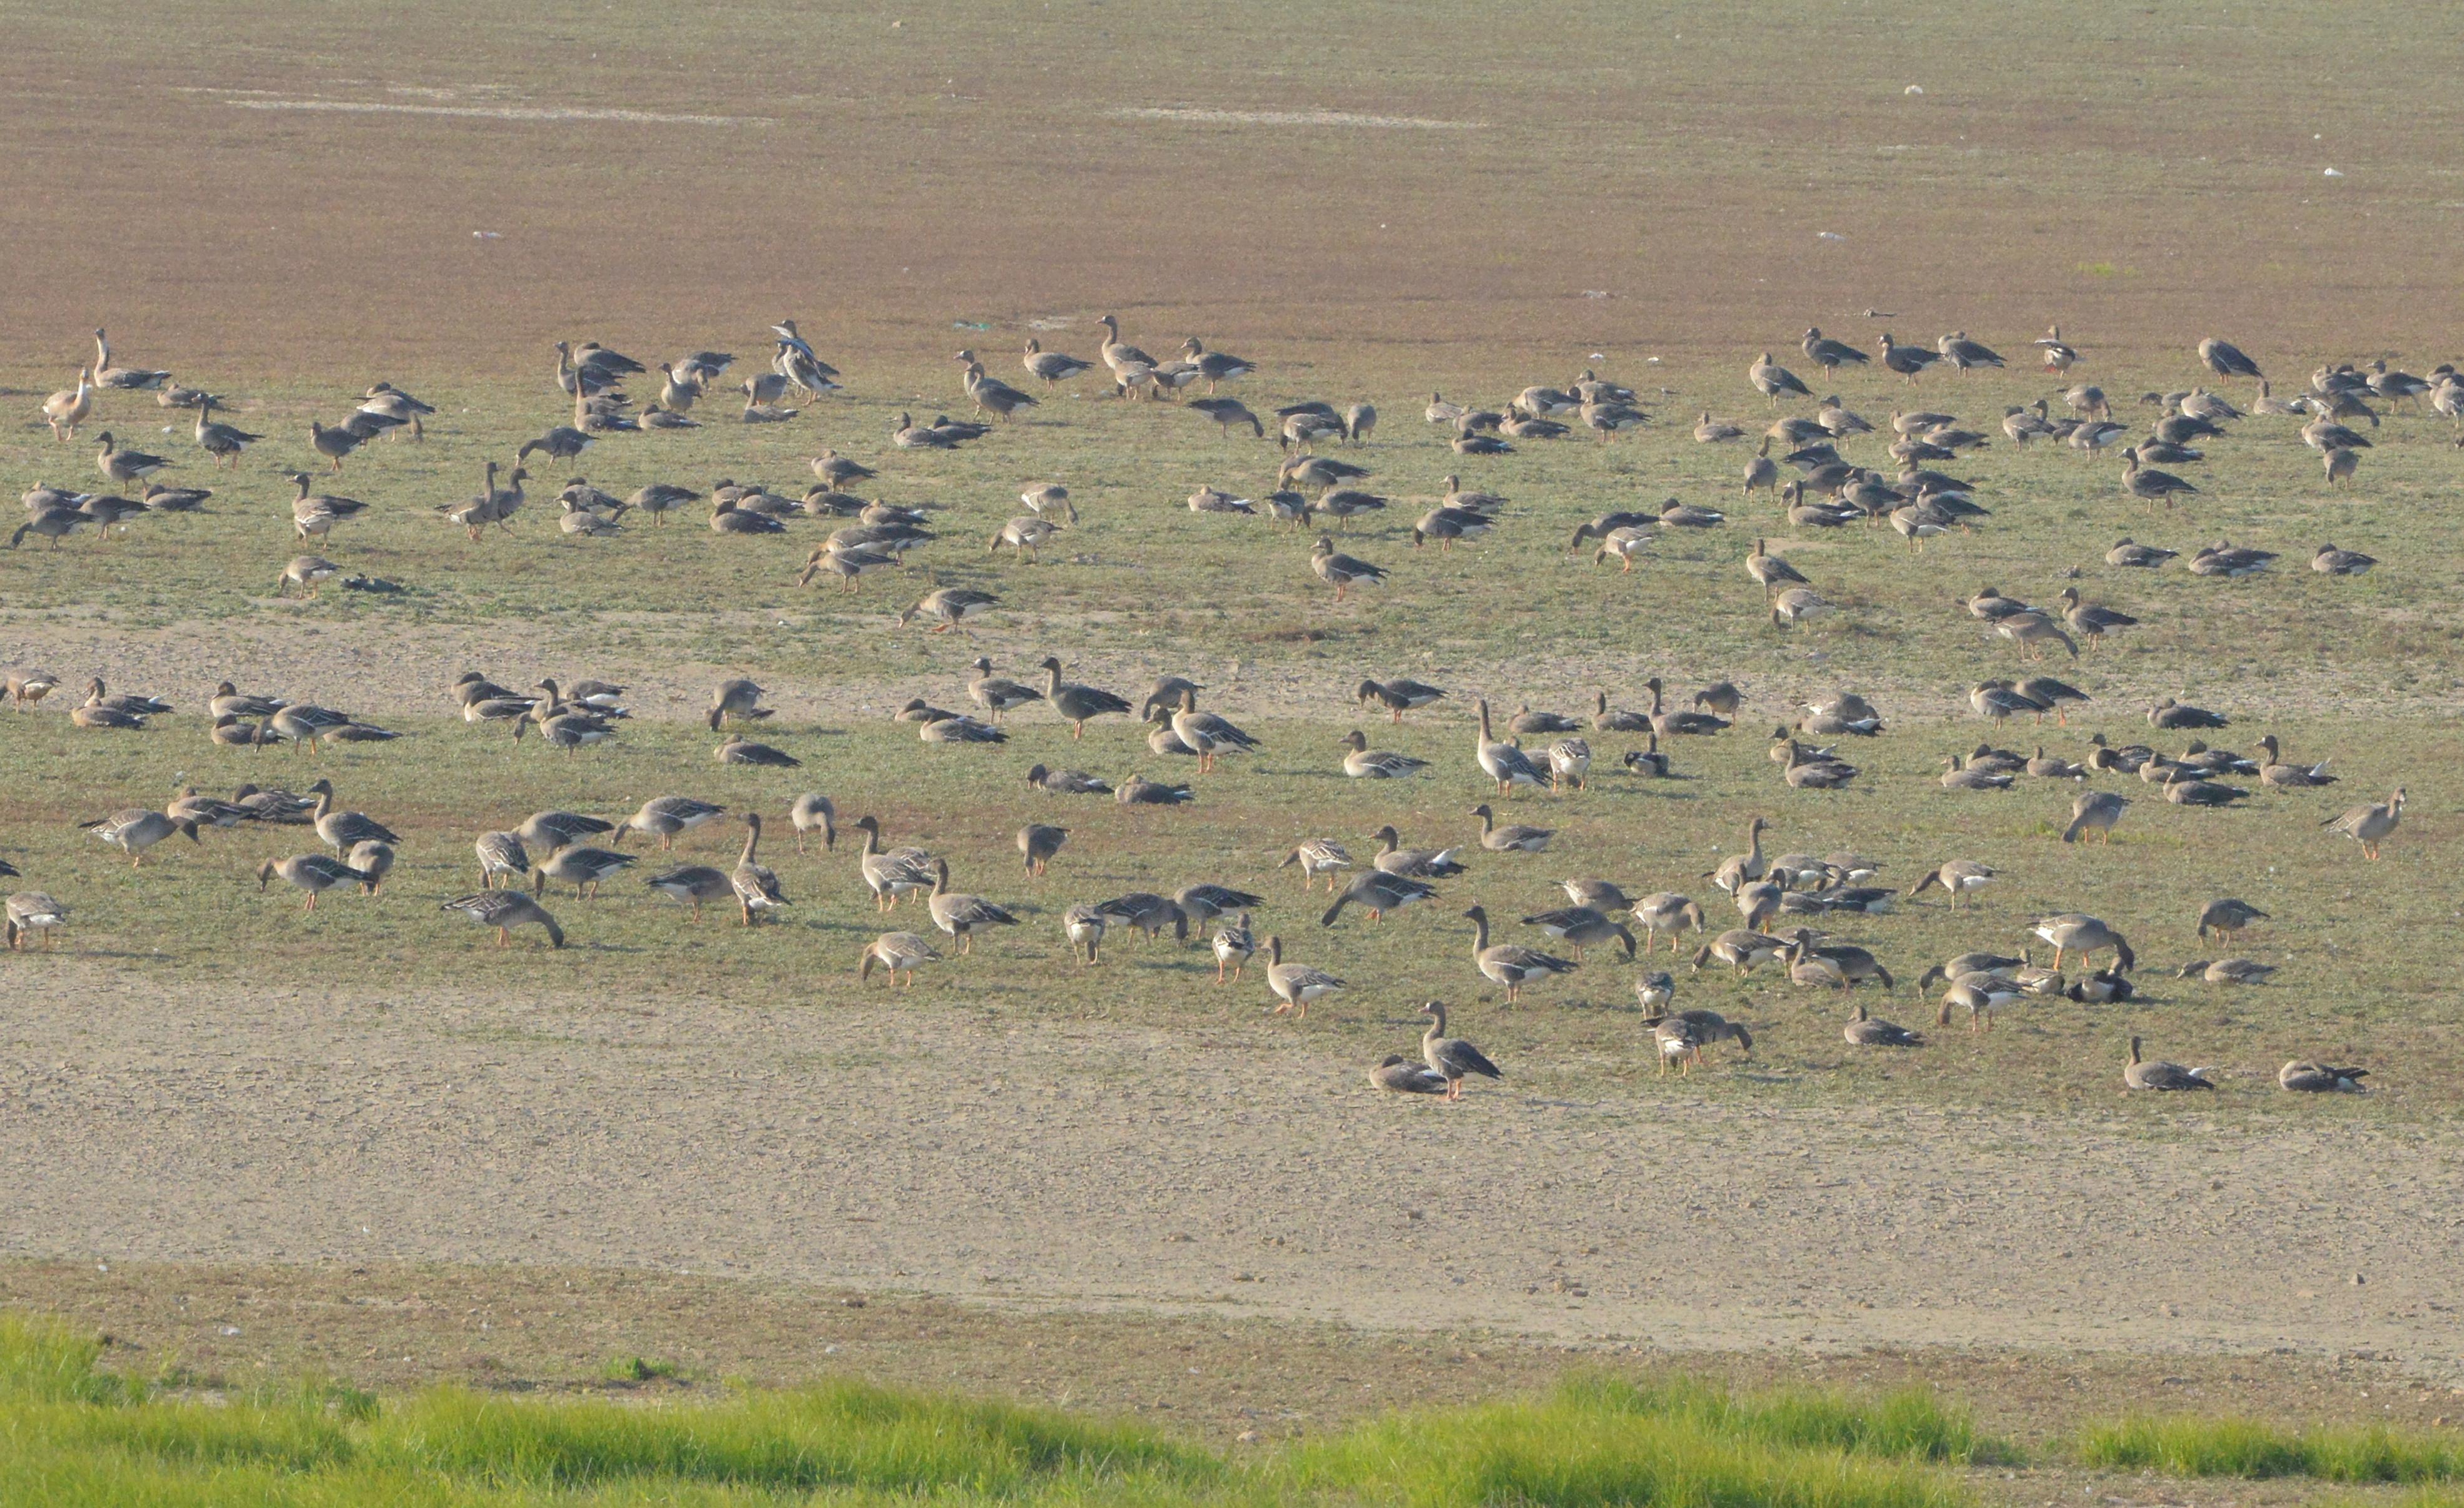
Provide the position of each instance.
(1213, 1169)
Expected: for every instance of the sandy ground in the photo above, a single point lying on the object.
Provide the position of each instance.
(1236, 1175)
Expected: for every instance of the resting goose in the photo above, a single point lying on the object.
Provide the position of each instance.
(1513, 837)
(1864, 1031)
(1363, 763)
(1417, 863)
(2163, 1076)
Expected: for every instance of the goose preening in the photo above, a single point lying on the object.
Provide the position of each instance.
(1452, 1057)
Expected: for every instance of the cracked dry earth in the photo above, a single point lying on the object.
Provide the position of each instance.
(1096, 1165)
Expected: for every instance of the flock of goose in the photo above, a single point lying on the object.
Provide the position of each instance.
(1778, 897)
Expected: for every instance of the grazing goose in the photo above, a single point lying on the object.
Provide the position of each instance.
(1797, 605)
(1038, 841)
(2075, 932)
(1377, 892)
(1508, 964)
(1864, 1031)
(2163, 1076)
(1363, 763)
(1512, 839)
(897, 953)
(1666, 912)
(1417, 863)
(2094, 811)
(27, 688)
(1740, 950)
(663, 817)
(31, 912)
(1504, 763)
(1049, 497)
(740, 700)
(1399, 695)
(1296, 985)
(1083, 925)
(1314, 857)
(586, 868)
(2302, 1078)
(814, 812)
(313, 872)
(1680, 1036)
(135, 830)
(550, 831)
(308, 572)
(1027, 537)
(2226, 917)
(505, 910)
(1452, 1057)
(2369, 825)
(65, 410)
(1980, 995)
(1958, 876)
(947, 607)
(1581, 928)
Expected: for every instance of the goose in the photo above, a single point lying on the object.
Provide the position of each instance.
(1078, 704)
(847, 562)
(1762, 473)
(2227, 971)
(1864, 1030)
(1629, 543)
(837, 471)
(663, 817)
(908, 435)
(2324, 434)
(123, 467)
(1671, 723)
(1503, 763)
(1318, 472)
(1980, 995)
(1605, 896)
(1958, 775)
(128, 379)
(1211, 736)
(231, 732)
(2302, 1078)
(317, 513)
(755, 883)
(1957, 877)
(1452, 1058)
(1228, 413)
(897, 953)
(344, 829)
(1513, 838)
(1964, 353)
(1446, 526)
(135, 830)
(2330, 560)
(1739, 870)
(1399, 1075)
(2369, 825)
(1769, 570)
(1740, 950)
(1211, 499)
(2163, 1076)
(1909, 361)
(1215, 366)
(374, 859)
(128, 703)
(1027, 537)
(1360, 422)
(1680, 1036)
(2032, 631)
(1797, 605)
(1083, 925)
(2146, 482)
(1470, 443)
(308, 572)
(52, 523)
(1050, 368)
(2226, 360)
(1581, 928)
(2172, 713)
(890, 873)
(1139, 791)
(2059, 357)
(502, 855)
(1050, 498)
(2091, 622)
(2185, 787)
(1363, 763)
(1669, 913)
(1314, 857)
(1296, 985)
(1340, 571)
(1508, 964)
(1399, 695)
(738, 699)
(505, 910)
(1117, 354)
(1829, 354)
(582, 867)
(1606, 419)
(1234, 945)
(1038, 841)
(2275, 774)
(1772, 381)
(224, 442)
(160, 498)
(947, 607)
(1146, 913)
(2226, 917)
(1377, 892)
(2092, 435)
(340, 441)
(550, 831)
(65, 410)
(31, 912)
(1570, 763)
(2075, 932)
(1608, 720)
(1415, 863)
(1067, 782)
(961, 728)
(312, 872)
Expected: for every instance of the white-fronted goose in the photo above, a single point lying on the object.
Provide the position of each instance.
(2227, 970)
(755, 883)
(1363, 763)
(1418, 863)
(2094, 811)
(505, 910)
(738, 699)
(1038, 841)
(1582, 928)
(1211, 736)
(2303, 1078)
(947, 607)
(1296, 985)
(1452, 1057)
(2060, 358)
(1139, 791)
(1342, 571)
(2369, 825)
(309, 572)
(340, 441)
(1399, 1075)
(31, 912)
(1377, 892)
(1773, 381)
(1399, 695)
(1509, 963)
(549, 830)
(1864, 1030)
(1314, 857)
(586, 868)
(1738, 870)
(1078, 704)
(123, 467)
(2333, 562)
(2277, 774)
(1025, 536)
(1958, 876)
(1964, 353)
(2163, 1076)
(313, 872)
(1500, 762)
(1512, 839)
(890, 873)
(737, 749)
(126, 379)
(1067, 782)
(897, 953)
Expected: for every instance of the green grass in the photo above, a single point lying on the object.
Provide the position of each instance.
(2187, 1445)
(71, 1436)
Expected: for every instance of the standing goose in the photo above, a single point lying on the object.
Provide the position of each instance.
(2227, 361)
(505, 910)
(1504, 763)
(998, 694)
(1958, 877)
(663, 817)
(1296, 985)
(897, 953)
(1377, 892)
(1052, 367)
(2060, 358)
(135, 831)
(1038, 842)
(1682, 1035)
(340, 441)
(224, 442)
(1739, 870)
(1314, 857)
(1078, 704)
(1508, 964)
(1207, 733)
(317, 513)
(1452, 1057)
(2090, 621)
(2163, 1076)
(890, 874)
(1083, 925)
(122, 467)
(2369, 825)
(960, 914)
(65, 410)
(2226, 917)
(502, 855)
(1235, 944)
(550, 831)
(814, 812)
(1399, 695)
(1964, 353)
(1770, 571)
(585, 869)
(31, 912)
(1582, 928)
(344, 829)
(1666, 912)
(2094, 811)
(756, 884)
(313, 872)
(2075, 932)
(1773, 381)
(1341, 571)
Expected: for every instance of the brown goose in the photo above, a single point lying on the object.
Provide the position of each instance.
(2163, 1076)
(1508, 964)
(1452, 1057)
(756, 884)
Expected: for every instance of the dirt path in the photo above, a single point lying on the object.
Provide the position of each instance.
(1102, 1165)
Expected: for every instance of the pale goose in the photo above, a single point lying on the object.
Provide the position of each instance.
(65, 410)
(1363, 763)
(502, 855)
(897, 953)
(313, 872)
(2369, 825)
(135, 830)
(31, 912)
(1314, 857)
(1296, 985)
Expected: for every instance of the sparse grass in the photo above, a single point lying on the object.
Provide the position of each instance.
(2188, 1446)
(67, 1438)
